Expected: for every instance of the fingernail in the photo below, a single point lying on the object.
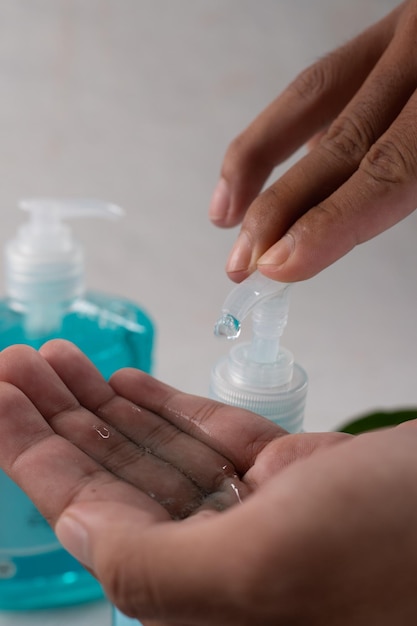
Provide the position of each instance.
(241, 254)
(279, 253)
(220, 201)
(74, 537)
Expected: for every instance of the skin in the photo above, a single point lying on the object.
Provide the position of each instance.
(356, 109)
(195, 513)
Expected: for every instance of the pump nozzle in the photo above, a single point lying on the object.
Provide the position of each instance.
(268, 300)
(259, 375)
(243, 298)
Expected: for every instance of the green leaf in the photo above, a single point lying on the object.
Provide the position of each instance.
(380, 419)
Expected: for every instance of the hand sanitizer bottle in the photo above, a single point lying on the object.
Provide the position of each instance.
(45, 299)
(260, 375)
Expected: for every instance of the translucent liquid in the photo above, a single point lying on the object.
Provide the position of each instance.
(227, 326)
(35, 572)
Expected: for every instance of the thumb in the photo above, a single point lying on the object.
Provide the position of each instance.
(150, 570)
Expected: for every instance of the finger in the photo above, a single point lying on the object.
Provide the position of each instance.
(314, 142)
(92, 390)
(136, 562)
(236, 434)
(382, 192)
(315, 97)
(132, 461)
(142, 446)
(282, 452)
(51, 470)
(213, 473)
(217, 569)
(24, 368)
(335, 158)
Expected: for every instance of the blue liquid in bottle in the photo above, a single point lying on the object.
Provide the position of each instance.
(35, 571)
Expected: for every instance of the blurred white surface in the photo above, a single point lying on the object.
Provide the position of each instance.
(135, 102)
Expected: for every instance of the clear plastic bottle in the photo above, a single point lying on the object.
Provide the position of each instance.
(45, 299)
(260, 375)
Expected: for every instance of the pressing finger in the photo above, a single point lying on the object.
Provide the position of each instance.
(378, 195)
(329, 165)
(310, 103)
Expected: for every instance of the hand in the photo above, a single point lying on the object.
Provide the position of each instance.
(195, 513)
(358, 109)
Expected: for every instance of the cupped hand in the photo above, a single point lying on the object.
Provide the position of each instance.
(357, 107)
(134, 454)
(195, 513)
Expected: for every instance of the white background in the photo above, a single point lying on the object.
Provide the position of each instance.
(135, 101)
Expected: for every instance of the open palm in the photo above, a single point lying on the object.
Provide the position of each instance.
(195, 513)
(134, 440)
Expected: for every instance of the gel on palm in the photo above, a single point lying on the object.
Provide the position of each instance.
(260, 375)
(46, 298)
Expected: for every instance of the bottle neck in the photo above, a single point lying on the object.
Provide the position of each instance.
(42, 318)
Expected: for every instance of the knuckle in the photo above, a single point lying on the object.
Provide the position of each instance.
(249, 160)
(326, 217)
(270, 199)
(316, 79)
(237, 147)
(407, 24)
(204, 413)
(390, 161)
(348, 138)
(264, 220)
(329, 220)
(261, 212)
(309, 83)
(241, 154)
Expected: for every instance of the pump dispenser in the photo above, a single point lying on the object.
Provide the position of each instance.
(46, 298)
(260, 375)
(45, 263)
(46, 295)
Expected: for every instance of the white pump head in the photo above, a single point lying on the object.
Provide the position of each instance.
(261, 375)
(45, 262)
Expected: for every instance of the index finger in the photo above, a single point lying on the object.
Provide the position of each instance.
(379, 194)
